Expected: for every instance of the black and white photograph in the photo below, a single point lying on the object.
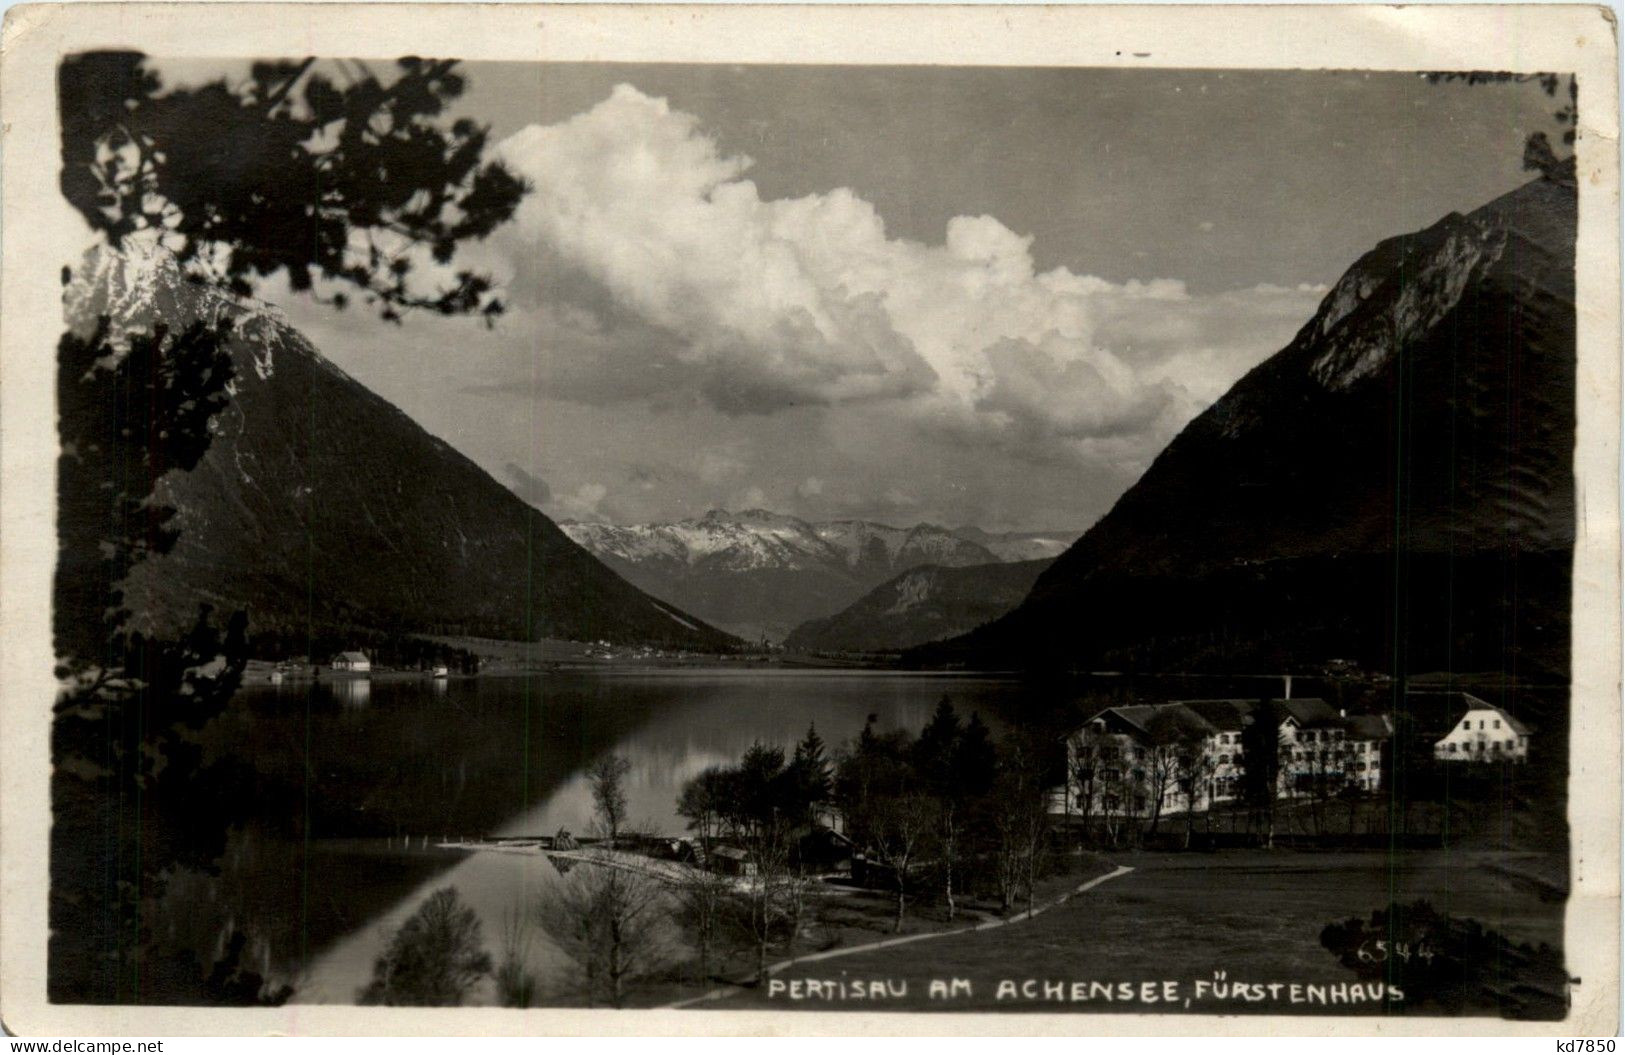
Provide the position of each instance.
(819, 536)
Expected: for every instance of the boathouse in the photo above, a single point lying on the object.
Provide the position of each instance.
(353, 662)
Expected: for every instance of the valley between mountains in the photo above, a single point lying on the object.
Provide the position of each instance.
(1410, 449)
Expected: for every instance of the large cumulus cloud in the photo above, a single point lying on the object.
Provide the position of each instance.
(645, 265)
(676, 342)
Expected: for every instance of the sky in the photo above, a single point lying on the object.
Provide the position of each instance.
(955, 295)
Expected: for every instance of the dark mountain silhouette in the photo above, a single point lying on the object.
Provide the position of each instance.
(921, 605)
(322, 507)
(1394, 488)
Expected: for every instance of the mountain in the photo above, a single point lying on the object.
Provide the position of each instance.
(1019, 545)
(758, 573)
(923, 604)
(320, 506)
(1394, 488)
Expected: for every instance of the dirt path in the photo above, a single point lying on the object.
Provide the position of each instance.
(886, 943)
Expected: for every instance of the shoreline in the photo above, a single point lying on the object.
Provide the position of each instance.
(259, 671)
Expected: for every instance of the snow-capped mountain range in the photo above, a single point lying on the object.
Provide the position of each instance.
(759, 573)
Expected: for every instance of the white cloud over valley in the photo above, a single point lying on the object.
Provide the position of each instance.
(676, 341)
(647, 267)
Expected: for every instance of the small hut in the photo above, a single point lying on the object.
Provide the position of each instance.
(732, 861)
(352, 662)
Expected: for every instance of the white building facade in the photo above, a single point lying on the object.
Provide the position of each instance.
(1188, 756)
(1325, 751)
(1483, 733)
(352, 662)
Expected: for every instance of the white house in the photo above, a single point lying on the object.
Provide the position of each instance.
(1367, 733)
(1325, 750)
(353, 662)
(1481, 732)
(1227, 718)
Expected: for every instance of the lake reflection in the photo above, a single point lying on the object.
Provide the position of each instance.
(351, 778)
(713, 717)
(352, 692)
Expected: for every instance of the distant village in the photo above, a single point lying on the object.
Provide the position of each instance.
(442, 659)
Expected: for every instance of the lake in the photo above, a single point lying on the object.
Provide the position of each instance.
(346, 787)
(351, 784)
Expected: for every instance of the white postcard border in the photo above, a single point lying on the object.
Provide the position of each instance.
(37, 224)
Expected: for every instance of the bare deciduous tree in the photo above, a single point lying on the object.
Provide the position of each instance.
(761, 905)
(702, 897)
(1192, 767)
(902, 825)
(1116, 788)
(1327, 763)
(1019, 818)
(1088, 753)
(799, 898)
(607, 779)
(613, 922)
(1161, 777)
(568, 915)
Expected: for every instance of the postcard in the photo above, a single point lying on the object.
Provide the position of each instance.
(611, 519)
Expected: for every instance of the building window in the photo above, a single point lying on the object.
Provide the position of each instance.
(1497, 723)
(1451, 749)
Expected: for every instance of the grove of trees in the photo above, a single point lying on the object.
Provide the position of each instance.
(932, 819)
